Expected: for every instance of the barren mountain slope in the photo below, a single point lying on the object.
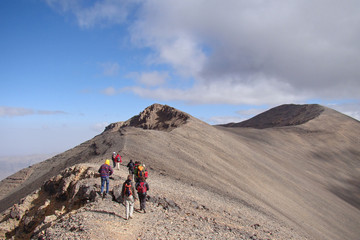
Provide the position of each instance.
(314, 170)
(304, 175)
(69, 207)
(95, 150)
(292, 172)
(283, 115)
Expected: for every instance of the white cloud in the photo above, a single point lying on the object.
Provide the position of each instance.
(14, 111)
(110, 91)
(183, 54)
(256, 92)
(241, 115)
(47, 112)
(103, 13)
(110, 69)
(311, 48)
(239, 51)
(225, 119)
(154, 78)
(100, 13)
(19, 111)
(351, 109)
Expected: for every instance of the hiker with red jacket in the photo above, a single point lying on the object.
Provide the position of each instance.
(142, 187)
(105, 171)
(128, 195)
(117, 160)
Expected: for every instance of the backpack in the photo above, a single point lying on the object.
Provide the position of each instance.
(127, 189)
(131, 167)
(141, 187)
(140, 171)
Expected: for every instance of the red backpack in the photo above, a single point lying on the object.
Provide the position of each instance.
(141, 187)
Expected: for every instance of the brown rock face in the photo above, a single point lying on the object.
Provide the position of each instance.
(155, 117)
(59, 195)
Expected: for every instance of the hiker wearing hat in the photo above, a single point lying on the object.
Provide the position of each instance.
(128, 195)
(113, 159)
(105, 171)
(116, 160)
(142, 187)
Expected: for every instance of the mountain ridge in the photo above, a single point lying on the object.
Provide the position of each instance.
(289, 173)
(280, 116)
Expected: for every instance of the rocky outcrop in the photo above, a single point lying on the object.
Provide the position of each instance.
(59, 195)
(117, 192)
(155, 117)
(67, 185)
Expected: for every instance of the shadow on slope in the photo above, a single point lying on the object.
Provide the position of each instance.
(284, 115)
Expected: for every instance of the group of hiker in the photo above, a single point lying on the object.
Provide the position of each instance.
(137, 172)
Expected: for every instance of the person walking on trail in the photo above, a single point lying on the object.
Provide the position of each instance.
(113, 159)
(117, 160)
(131, 166)
(128, 195)
(142, 187)
(140, 171)
(105, 171)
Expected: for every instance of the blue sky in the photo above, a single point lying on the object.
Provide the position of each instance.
(68, 68)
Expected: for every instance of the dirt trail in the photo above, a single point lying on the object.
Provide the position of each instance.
(174, 211)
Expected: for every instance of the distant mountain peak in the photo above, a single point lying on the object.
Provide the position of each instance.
(283, 115)
(155, 117)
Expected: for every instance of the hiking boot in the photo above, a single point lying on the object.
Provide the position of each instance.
(144, 211)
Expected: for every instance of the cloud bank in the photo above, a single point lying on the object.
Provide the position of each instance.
(239, 51)
(6, 111)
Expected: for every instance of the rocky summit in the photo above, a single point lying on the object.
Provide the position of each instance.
(292, 173)
(156, 117)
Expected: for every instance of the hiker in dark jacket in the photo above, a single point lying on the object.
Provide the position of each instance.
(131, 166)
(105, 171)
(128, 195)
(113, 159)
(142, 187)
